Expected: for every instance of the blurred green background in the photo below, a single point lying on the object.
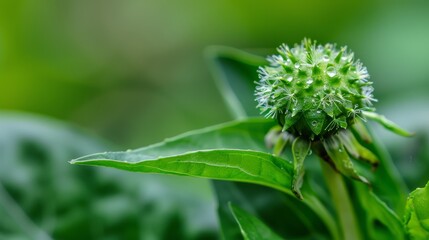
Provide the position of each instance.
(132, 72)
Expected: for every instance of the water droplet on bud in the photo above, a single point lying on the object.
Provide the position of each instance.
(314, 123)
(297, 65)
(289, 79)
(318, 111)
(309, 81)
(331, 71)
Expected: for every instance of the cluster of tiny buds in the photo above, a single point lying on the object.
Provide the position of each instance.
(314, 89)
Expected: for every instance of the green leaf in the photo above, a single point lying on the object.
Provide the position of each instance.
(205, 153)
(41, 194)
(221, 164)
(387, 123)
(381, 222)
(300, 150)
(386, 182)
(417, 213)
(315, 121)
(235, 73)
(355, 149)
(251, 227)
(213, 153)
(341, 159)
(362, 131)
(290, 120)
(270, 206)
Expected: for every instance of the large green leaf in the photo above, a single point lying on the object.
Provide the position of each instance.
(251, 227)
(417, 213)
(42, 196)
(218, 152)
(223, 164)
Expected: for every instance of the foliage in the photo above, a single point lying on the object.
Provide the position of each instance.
(236, 152)
(41, 197)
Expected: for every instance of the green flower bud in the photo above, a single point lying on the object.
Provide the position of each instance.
(314, 90)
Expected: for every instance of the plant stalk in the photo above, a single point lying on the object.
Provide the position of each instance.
(342, 204)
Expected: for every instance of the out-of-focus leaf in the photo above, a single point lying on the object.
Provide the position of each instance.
(235, 73)
(417, 213)
(44, 194)
(251, 227)
(14, 224)
(386, 182)
(215, 152)
(271, 206)
(380, 221)
(411, 155)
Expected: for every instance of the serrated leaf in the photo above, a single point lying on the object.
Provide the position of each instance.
(213, 153)
(300, 150)
(341, 159)
(251, 227)
(417, 213)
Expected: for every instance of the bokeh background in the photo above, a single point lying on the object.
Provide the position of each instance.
(133, 72)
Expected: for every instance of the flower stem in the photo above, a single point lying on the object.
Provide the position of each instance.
(342, 203)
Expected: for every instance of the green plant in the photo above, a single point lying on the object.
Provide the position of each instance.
(320, 98)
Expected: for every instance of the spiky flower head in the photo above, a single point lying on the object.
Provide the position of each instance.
(314, 90)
